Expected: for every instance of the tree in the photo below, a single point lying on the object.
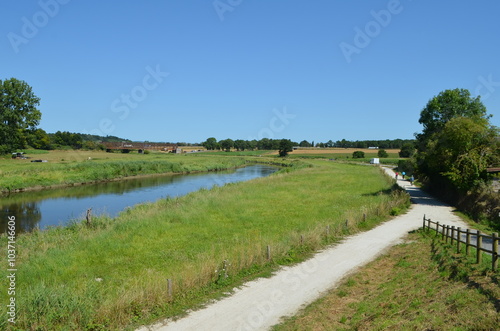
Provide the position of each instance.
(461, 152)
(305, 143)
(358, 155)
(210, 144)
(39, 139)
(407, 150)
(19, 115)
(240, 144)
(285, 146)
(447, 105)
(382, 153)
(226, 144)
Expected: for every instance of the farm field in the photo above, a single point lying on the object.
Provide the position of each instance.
(344, 154)
(112, 274)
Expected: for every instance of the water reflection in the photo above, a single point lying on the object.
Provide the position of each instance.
(45, 208)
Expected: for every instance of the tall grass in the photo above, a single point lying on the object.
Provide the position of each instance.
(114, 273)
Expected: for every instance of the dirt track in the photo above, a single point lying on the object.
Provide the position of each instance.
(260, 304)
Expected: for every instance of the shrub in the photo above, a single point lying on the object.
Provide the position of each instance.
(382, 153)
(358, 155)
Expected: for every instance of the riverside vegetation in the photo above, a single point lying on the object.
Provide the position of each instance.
(77, 167)
(113, 274)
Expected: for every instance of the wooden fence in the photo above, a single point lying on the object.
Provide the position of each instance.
(457, 236)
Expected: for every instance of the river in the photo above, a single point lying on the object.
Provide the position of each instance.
(53, 207)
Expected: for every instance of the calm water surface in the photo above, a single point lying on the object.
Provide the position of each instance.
(59, 206)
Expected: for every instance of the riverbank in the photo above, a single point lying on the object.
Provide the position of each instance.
(113, 273)
(73, 169)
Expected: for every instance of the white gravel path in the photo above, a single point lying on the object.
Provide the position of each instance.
(260, 304)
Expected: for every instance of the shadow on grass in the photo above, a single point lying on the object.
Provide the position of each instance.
(457, 268)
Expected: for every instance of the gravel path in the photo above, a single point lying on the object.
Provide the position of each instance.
(260, 304)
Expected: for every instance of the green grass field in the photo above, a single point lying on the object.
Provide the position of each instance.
(70, 167)
(113, 274)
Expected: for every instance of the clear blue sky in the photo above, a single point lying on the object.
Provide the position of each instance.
(186, 70)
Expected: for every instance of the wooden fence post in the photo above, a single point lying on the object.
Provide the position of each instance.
(89, 217)
(494, 248)
(301, 239)
(447, 234)
(452, 236)
(424, 223)
(437, 229)
(169, 288)
(443, 232)
(479, 244)
(327, 231)
(268, 252)
(467, 242)
(458, 239)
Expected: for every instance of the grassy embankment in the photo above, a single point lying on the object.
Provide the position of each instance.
(76, 167)
(114, 273)
(419, 285)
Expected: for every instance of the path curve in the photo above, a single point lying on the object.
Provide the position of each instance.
(260, 304)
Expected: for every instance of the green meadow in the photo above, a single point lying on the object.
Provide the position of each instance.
(77, 167)
(112, 274)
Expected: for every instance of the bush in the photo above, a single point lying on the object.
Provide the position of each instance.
(358, 155)
(382, 153)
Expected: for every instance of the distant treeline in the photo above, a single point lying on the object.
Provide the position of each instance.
(382, 144)
(273, 144)
(39, 139)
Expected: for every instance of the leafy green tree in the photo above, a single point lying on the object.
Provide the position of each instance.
(305, 143)
(285, 147)
(240, 144)
(19, 115)
(447, 105)
(210, 144)
(65, 138)
(407, 150)
(382, 153)
(358, 155)
(265, 144)
(39, 139)
(461, 152)
(457, 142)
(252, 144)
(226, 144)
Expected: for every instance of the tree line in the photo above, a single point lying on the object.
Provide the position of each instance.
(273, 144)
